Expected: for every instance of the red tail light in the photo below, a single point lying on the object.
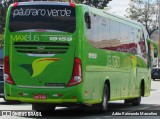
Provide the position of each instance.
(7, 75)
(76, 73)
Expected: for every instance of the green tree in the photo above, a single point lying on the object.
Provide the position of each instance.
(95, 3)
(4, 4)
(2, 19)
(144, 11)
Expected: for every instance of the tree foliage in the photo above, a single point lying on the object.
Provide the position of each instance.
(95, 3)
(144, 11)
(2, 18)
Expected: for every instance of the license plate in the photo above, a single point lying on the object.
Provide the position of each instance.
(40, 97)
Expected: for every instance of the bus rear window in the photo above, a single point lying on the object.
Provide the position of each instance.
(42, 17)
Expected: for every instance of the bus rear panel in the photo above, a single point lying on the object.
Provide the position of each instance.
(40, 60)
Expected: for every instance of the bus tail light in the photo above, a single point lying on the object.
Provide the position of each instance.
(7, 75)
(76, 73)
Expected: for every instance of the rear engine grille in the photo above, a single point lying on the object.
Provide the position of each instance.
(41, 47)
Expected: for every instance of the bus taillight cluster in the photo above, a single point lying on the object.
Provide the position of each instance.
(76, 73)
(7, 75)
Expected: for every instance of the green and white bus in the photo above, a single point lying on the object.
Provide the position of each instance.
(62, 54)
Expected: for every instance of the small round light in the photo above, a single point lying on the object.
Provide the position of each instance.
(6, 76)
(77, 78)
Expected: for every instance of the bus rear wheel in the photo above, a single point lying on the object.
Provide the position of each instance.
(136, 101)
(104, 103)
(103, 106)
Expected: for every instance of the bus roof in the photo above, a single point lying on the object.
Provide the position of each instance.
(115, 17)
(96, 11)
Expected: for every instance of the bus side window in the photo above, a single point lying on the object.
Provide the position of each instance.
(87, 20)
(142, 43)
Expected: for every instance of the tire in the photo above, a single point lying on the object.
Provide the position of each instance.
(104, 103)
(137, 101)
(127, 101)
(103, 106)
(153, 79)
(43, 107)
(133, 101)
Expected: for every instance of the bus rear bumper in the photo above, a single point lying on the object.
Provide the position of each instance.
(32, 100)
(52, 95)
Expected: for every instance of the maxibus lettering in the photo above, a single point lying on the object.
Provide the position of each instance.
(29, 37)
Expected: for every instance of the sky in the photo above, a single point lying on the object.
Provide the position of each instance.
(118, 6)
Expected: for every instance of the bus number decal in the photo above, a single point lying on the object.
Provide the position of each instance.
(92, 55)
(113, 61)
(60, 38)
